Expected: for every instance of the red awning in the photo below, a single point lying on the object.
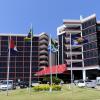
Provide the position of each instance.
(55, 69)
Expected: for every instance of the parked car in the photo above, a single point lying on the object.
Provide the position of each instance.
(76, 82)
(4, 86)
(90, 83)
(81, 83)
(87, 83)
(23, 84)
(35, 83)
(98, 80)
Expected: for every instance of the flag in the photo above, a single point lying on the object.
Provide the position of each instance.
(82, 40)
(79, 40)
(13, 48)
(52, 46)
(28, 38)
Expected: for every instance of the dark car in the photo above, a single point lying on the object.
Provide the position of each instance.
(23, 84)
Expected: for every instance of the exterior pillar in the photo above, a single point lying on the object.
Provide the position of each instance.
(84, 74)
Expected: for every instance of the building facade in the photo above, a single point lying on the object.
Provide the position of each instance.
(79, 43)
(19, 67)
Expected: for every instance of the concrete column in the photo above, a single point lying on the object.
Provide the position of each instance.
(84, 74)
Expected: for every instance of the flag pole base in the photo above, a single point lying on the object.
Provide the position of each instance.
(50, 89)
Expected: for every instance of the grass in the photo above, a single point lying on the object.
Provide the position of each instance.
(67, 93)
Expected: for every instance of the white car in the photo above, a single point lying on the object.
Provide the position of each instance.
(81, 84)
(35, 83)
(3, 85)
(87, 83)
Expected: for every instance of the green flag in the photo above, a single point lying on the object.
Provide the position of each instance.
(28, 38)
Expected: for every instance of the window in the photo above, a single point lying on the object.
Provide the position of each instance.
(19, 64)
(3, 59)
(92, 45)
(4, 43)
(20, 38)
(3, 64)
(19, 44)
(3, 69)
(91, 62)
(26, 59)
(4, 38)
(11, 69)
(19, 69)
(34, 58)
(90, 54)
(12, 64)
(26, 69)
(19, 59)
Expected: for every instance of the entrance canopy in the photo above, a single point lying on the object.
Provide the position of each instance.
(54, 69)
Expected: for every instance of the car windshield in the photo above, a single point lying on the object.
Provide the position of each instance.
(5, 82)
(34, 81)
(81, 81)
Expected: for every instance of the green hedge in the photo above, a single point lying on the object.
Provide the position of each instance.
(47, 88)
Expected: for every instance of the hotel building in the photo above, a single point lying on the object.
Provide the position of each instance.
(79, 47)
(19, 67)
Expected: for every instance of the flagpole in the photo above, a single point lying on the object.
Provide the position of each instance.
(58, 56)
(8, 62)
(0, 46)
(56, 64)
(30, 64)
(62, 50)
(71, 60)
(50, 64)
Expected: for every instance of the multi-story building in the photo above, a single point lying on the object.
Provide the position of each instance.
(19, 67)
(79, 45)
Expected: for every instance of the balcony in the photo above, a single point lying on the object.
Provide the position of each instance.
(76, 53)
(43, 37)
(43, 56)
(43, 52)
(43, 46)
(43, 62)
(74, 60)
(42, 59)
(43, 41)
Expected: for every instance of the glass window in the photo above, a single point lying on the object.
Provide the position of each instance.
(4, 38)
(19, 58)
(26, 69)
(35, 58)
(4, 43)
(12, 64)
(27, 64)
(11, 69)
(35, 43)
(19, 43)
(3, 59)
(4, 48)
(19, 69)
(19, 64)
(3, 64)
(20, 38)
(34, 53)
(3, 69)
(35, 64)
(35, 39)
(4, 54)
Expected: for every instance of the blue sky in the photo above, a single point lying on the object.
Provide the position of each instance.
(45, 15)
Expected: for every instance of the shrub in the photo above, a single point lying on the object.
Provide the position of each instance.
(41, 88)
(47, 88)
(56, 87)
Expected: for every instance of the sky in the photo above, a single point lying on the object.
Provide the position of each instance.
(16, 16)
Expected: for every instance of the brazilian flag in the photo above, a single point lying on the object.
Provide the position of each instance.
(30, 34)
